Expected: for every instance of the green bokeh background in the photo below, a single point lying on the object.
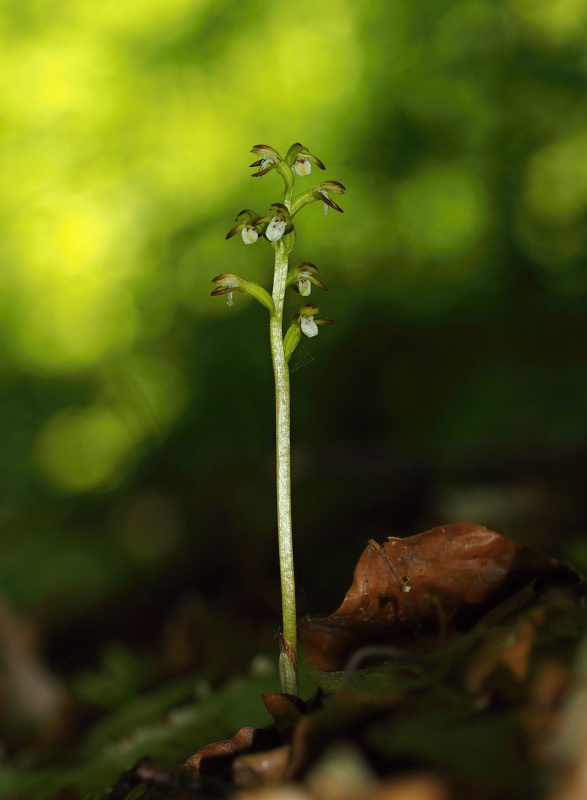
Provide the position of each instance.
(136, 411)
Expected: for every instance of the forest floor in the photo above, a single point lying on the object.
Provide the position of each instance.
(456, 667)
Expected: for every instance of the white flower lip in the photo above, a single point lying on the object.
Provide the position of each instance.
(305, 287)
(249, 235)
(275, 229)
(309, 327)
(302, 167)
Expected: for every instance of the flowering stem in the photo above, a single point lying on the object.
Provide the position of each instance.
(278, 229)
(287, 661)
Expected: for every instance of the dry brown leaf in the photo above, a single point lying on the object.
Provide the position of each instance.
(444, 579)
(215, 758)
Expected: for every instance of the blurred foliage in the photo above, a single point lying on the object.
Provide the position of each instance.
(170, 722)
(136, 411)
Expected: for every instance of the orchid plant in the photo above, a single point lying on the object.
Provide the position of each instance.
(278, 228)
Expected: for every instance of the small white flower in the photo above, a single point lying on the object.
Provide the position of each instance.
(229, 300)
(309, 327)
(325, 193)
(304, 287)
(275, 229)
(302, 167)
(249, 235)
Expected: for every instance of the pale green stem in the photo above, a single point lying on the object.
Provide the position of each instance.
(287, 661)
